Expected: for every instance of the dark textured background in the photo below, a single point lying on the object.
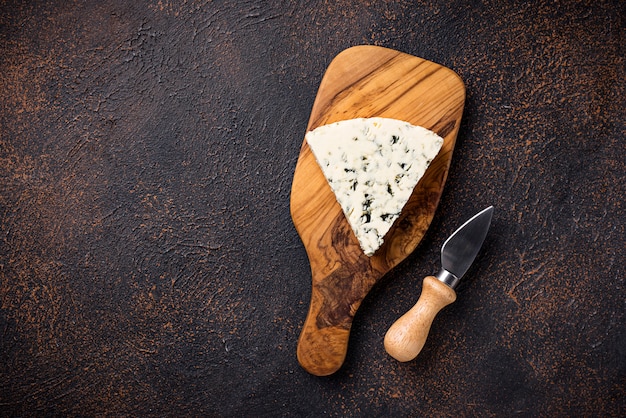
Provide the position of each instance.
(148, 263)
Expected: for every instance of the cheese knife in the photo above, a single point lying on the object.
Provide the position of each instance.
(406, 337)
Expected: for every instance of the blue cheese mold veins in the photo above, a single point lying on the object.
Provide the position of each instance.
(372, 166)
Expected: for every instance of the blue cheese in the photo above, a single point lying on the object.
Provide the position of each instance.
(372, 165)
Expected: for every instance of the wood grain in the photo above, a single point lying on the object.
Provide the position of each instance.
(366, 81)
(406, 337)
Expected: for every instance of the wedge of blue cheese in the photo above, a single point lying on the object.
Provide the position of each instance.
(372, 165)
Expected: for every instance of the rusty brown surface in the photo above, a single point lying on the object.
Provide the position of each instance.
(148, 263)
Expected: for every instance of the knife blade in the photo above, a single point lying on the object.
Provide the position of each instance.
(406, 337)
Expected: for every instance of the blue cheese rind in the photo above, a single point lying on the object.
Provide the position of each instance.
(372, 166)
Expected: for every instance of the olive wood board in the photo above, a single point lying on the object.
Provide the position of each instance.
(363, 82)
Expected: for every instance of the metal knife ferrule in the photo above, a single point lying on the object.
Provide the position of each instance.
(447, 278)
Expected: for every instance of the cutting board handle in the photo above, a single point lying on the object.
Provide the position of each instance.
(323, 341)
(321, 352)
(406, 337)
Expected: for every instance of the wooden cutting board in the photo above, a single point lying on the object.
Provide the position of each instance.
(366, 81)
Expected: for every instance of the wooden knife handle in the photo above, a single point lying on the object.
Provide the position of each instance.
(406, 337)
